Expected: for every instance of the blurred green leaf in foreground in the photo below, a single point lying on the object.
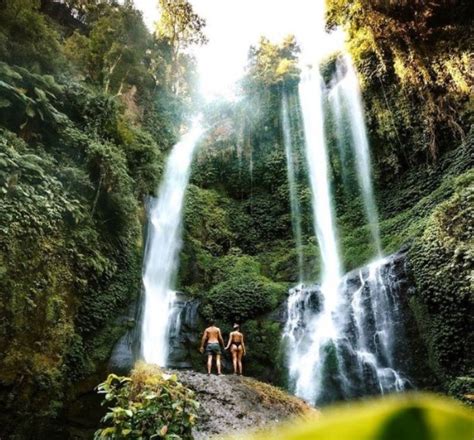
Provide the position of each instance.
(407, 417)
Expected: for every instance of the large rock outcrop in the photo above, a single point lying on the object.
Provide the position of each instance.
(229, 404)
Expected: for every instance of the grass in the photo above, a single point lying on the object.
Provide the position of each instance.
(274, 396)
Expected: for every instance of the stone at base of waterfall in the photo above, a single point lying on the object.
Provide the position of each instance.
(230, 403)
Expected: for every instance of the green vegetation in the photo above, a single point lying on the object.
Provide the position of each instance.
(91, 102)
(149, 404)
(413, 60)
(241, 291)
(88, 108)
(442, 261)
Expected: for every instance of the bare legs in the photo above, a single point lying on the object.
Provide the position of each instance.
(237, 353)
(233, 350)
(209, 364)
(240, 353)
(218, 363)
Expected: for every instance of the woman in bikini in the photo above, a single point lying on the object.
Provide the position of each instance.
(237, 348)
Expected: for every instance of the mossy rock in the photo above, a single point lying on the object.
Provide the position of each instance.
(442, 262)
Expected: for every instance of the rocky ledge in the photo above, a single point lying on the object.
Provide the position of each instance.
(230, 403)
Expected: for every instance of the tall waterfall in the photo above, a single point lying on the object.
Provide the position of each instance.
(318, 166)
(340, 335)
(347, 97)
(308, 349)
(294, 201)
(162, 249)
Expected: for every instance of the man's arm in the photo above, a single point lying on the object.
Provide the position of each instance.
(219, 336)
(203, 341)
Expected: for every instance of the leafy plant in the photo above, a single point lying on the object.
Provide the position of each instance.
(148, 405)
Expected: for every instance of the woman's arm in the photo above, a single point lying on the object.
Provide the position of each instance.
(244, 350)
(230, 340)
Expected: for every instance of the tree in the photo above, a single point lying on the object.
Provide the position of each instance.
(27, 37)
(273, 64)
(180, 27)
(112, 54)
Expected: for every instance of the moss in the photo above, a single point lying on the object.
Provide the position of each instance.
(441, 260)
(265, 358)
(405, 206)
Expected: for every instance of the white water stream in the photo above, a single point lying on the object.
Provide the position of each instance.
(348, 101)
(162, 249)
(294, 200)
(307, 352)
(340, 335)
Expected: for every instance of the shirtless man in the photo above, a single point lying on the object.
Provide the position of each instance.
(237, 348)
(212, 337)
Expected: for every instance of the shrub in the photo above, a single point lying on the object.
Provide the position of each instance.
(243, 293)
(148, 405)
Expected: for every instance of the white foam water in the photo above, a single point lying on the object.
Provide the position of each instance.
(162, 249)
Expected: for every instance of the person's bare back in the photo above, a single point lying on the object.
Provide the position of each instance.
(212, 334)
(212, 338)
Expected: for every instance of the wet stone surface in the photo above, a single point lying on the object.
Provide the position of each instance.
(229, 403)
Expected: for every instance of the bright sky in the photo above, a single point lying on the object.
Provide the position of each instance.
(234, 25)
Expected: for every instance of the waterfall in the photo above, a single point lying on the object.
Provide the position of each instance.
(309, 337)
(375, 323)
(340, 335)
(318, 165)
(360, 359)
(162, 249)
(347, 100)
(336, 104)
(294, 201)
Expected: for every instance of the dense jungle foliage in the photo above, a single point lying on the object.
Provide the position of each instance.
(90, 104)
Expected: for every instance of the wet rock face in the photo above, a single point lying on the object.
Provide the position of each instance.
(125, 351)
(185, 332)
(229, 404)
(375, 350)
(266, 358)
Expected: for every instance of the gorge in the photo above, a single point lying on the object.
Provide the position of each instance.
(323, 201)
(352, 330)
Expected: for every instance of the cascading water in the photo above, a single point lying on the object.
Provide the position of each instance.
(335, 101)
(348, 102)
(308, 348)
(162, 248)
(340, 336)
(372, 295)
(294, 201)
